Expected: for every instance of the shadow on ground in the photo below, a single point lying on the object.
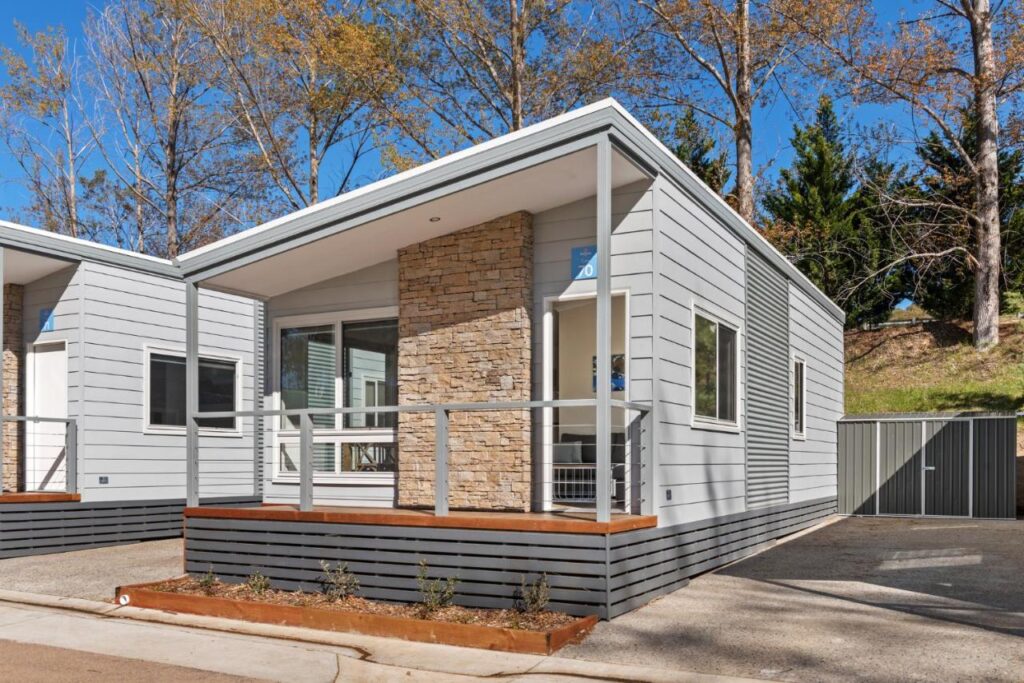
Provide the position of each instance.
(863, 598)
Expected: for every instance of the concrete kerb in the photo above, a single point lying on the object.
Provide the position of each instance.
(401, 657)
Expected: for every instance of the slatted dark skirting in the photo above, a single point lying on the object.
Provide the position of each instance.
(43, 528)
(603, 574)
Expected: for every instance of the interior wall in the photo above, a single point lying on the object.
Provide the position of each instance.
(577, 347)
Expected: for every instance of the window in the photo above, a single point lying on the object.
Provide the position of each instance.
(714, 370)
(316, 371)
(371, 371)
(218, 387)
(799, 395)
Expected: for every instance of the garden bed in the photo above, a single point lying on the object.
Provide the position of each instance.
(492, 629)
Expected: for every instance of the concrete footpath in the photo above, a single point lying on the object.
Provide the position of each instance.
(43, 635)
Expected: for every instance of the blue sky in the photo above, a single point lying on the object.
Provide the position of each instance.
(773, 125)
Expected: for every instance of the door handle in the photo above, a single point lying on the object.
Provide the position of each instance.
(929, 468)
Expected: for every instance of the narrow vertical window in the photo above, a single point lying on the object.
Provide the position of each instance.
(799, 418)
(715, 370)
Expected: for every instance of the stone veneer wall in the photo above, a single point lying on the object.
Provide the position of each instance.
(13, 381)
(464, 336)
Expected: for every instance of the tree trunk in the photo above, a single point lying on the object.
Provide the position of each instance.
(72, 174)
(140, 227)
(743, 130)
(518, 61)
(987, 272)
(171, 199)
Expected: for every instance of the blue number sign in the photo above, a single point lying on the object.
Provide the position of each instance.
(46, 320)
(584, 262)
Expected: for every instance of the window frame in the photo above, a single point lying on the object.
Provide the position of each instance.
(339, 434)
(148, 351)
(799, 435)
(720, 318)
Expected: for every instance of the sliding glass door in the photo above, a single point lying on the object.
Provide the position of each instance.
(314, 371)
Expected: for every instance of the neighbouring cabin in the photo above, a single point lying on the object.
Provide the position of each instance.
(93, 388)
(556, 352)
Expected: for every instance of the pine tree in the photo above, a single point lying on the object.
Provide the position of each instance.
(696, 148)
(825, 222)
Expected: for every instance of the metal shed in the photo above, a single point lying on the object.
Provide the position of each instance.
(936, 464)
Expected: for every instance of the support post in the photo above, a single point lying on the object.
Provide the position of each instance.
(440, 462)
(71, 456)
(3, 425)
(603, 418)
(191, 394)
(305, 462)
(647, 463)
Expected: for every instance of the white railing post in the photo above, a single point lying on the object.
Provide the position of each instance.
(647, 463)
(305, 462)
(191, 394)
(71, 456)
(440, 462)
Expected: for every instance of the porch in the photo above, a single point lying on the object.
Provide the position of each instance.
(338, 447)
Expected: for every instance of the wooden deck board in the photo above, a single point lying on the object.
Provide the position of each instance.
(551, 522)
(40, 497)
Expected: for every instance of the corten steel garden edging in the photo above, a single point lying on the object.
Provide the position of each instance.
(420, 630)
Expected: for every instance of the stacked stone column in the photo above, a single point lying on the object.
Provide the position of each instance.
(13, 381)
(465, 302)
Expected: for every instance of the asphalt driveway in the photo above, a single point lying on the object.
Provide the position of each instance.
(862, 598)
(92, 574)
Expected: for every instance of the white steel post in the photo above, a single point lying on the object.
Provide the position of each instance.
(603, 418)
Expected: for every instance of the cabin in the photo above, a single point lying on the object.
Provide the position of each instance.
(556, 352)
(93, 386)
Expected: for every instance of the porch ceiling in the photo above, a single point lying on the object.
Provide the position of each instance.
(22, 267)
(544, 186)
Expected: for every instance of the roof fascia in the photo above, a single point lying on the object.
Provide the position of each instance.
(518, 155)
(74, 251)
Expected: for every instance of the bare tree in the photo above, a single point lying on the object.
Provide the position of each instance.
(934, 62)
(171, 146)
(305, 78)
(43, 126)
(737, 50)
(481, 69)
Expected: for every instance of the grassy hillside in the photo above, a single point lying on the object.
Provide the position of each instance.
(933, 367)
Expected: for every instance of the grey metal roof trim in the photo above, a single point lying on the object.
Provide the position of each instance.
(940, 415)
(73, 250)
(528, 147)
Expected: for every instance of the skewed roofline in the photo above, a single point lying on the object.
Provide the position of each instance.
(605, 117)
(73, 249)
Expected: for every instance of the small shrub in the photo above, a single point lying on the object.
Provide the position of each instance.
(338, 583)
(436, 594)
(533, 598)
(208, 582)
(257, 583)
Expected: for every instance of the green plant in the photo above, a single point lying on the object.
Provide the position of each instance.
(533, 598)
(338, 583)
(208, 581)
(257, 583)
(436, 594)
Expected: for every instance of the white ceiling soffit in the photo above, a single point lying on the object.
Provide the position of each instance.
(22, 267)
(560, 181)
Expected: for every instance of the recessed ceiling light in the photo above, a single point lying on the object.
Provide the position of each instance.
(434, 219)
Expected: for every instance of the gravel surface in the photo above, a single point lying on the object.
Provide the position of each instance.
(867, 599)
(93, 574)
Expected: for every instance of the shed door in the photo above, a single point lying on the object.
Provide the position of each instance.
(47, 397)
(947, 469)
(899, 460)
